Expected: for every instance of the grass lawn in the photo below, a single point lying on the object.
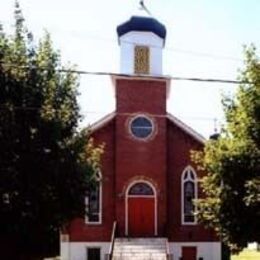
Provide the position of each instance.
(247, 255)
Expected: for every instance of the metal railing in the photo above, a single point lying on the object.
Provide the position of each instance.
(169, 256)
(112, 241)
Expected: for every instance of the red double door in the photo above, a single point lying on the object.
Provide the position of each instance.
(141, 216)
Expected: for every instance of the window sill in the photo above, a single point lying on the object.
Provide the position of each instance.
(93, 223)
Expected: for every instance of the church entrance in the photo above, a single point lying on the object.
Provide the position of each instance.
(141, 210)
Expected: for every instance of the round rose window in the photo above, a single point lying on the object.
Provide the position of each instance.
(141, 127)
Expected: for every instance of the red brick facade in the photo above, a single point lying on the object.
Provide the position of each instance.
(159, 160)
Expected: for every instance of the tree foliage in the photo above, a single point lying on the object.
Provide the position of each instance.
(45, 165)
(232, 185)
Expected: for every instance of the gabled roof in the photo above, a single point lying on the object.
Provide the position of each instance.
(187, 129)
(102, 122)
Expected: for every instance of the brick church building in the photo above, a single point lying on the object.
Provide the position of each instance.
(142, 207)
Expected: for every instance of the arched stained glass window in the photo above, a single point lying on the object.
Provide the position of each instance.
(93, 204)
(141, 188)
(189, 193)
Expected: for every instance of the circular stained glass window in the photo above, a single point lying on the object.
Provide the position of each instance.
(141, 127)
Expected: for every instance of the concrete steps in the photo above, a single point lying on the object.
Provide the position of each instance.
(139, 249)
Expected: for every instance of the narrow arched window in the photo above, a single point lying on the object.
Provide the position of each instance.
(94, 202)
(189, 193)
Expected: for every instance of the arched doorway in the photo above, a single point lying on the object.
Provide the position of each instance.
(141, 210)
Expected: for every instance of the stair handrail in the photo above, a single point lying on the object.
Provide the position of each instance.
(113, 235)
(169, 256)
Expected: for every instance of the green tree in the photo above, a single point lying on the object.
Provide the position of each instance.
(45, 165)
(232, 185)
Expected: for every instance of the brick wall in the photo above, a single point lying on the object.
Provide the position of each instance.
(137, 159)
(159, 160)
(178, 158)
(79, 230)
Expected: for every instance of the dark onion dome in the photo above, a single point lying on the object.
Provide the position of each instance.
(142, 24)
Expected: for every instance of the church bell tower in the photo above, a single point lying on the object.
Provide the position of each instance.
(140, 133)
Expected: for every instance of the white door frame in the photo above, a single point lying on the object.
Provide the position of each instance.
(141, 196)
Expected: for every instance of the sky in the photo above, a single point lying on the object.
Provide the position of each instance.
(205, 39)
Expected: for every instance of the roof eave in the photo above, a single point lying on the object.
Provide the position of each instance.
(101, 122)
(187, 129)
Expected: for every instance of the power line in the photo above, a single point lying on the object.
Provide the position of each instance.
(173, 49)
(177, 50)
(170, 48)
(190, 52)
(100, 73)
(204, 54)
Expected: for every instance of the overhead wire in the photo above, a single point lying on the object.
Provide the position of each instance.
(166, 48)
(194, 53)
(150, 76)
